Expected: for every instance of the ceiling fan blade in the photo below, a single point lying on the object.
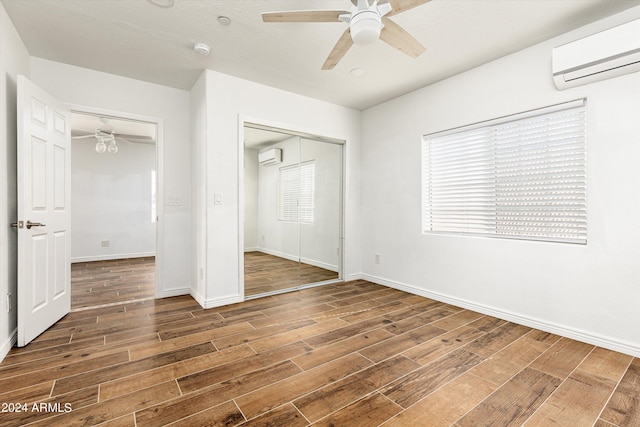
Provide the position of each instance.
(83, 136)
(134, 141)
(341, 47)
(396, 36)
(140, 138)
(398, 6)
(304, 16)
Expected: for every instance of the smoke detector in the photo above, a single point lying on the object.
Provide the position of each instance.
(224, 20)
(201, 48)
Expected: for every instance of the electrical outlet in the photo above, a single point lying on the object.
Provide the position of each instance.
(105, 243)
(8, 303)
(377, 258)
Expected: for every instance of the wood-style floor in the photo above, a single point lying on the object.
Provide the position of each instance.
(350, 354)
(265, 273)
(110, 282)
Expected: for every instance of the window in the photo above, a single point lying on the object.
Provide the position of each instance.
(297, 192)
(519, 177)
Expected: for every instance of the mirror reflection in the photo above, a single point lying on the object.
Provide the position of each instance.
(293, 205)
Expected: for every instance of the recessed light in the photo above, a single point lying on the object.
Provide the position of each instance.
(201, 48)
(163, 3)
(357, 72)
(224, 20)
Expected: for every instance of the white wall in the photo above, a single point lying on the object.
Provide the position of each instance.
(198, 125)
(80, 86)
(311, 243)
(111, 200)
(230, 101)
(587, 292)
(14, 60)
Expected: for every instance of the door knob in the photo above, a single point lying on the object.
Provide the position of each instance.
(34, 224)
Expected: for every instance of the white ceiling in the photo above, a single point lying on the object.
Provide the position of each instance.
(137, 39)
(87, 124)
(259, 138)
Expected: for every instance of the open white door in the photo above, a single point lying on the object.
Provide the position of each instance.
(44, 215)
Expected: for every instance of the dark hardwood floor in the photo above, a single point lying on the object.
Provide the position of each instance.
(100, 283)
(265, 273)
(349, 354)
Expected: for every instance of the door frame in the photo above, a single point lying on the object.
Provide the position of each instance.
(293, 131)
(160, 256)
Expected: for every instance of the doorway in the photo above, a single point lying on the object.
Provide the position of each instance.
(292, 223)
(114, 194)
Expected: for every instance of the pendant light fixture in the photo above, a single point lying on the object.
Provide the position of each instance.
(101, 147)
(104, 138)
(112, 148)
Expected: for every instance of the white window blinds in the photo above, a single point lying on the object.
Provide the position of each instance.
(307, 192)
(518, 177)
(297, 193)
(289, 187)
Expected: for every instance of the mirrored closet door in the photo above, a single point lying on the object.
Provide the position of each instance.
(293, 211)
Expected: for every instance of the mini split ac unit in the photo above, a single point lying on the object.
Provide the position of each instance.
(270, 157)
(603, 55)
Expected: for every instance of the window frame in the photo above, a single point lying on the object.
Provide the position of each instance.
(465, 205)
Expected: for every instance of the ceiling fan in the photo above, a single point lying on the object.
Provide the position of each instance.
(107, 138)
(368, 20)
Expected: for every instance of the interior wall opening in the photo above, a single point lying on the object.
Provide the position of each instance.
(292, 210)
(114, 210)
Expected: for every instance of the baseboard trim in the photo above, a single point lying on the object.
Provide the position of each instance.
(278, 254)
(320, 264)
(8, 344)
(178, 292)
(578, 335)
(215, 302)
(355, 276)
(112, 257)
(309, 261)
(196, 296)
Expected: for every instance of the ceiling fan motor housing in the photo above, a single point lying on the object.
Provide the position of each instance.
(365, 26)
(367, 23)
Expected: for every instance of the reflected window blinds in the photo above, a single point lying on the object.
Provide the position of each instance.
(297, 193)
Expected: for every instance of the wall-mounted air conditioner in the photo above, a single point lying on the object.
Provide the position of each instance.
(270, 157)
(603, 55)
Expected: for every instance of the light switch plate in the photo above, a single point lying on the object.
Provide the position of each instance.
(173, 201)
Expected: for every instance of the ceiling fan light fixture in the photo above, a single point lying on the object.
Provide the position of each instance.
(365, 27)
(113, 148)
(101, 147)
